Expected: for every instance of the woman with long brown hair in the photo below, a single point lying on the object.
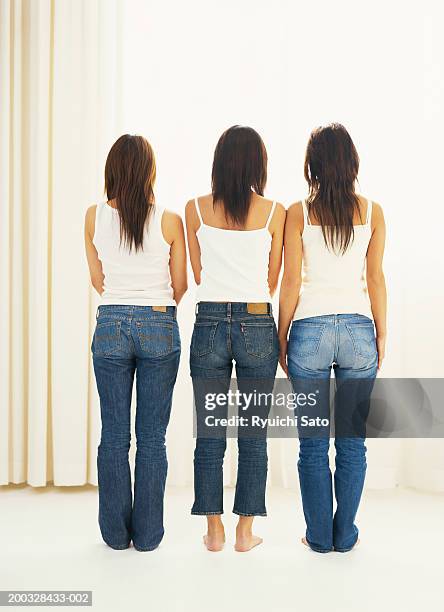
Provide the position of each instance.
(334, 245)
(235, 241)
(137, 260)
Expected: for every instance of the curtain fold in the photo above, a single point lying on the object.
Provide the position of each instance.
(58, 117)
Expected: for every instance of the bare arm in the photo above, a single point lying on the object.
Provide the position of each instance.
(94, 263)
(292, 278)
(172, 229)
(376, 280)
(193, 224)
(275, 261)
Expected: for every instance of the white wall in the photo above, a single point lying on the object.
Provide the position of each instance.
(191, 69)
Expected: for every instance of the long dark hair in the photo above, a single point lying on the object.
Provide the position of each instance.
(239, 165)
(130, 172)
(331, 168)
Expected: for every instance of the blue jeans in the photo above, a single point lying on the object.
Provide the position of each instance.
(225, 333)
(347, 344)
(129, 339)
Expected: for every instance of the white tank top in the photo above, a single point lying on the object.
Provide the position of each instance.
(234, 263)
(332, 283)
(138, 279)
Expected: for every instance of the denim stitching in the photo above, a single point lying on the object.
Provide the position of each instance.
(118, 346)
(144, 344)
(266, 352)
(212, 334)
(318, 343)
(358, 353)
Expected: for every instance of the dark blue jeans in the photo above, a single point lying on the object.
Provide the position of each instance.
(347, 344)
(225, 333)
(130, 339)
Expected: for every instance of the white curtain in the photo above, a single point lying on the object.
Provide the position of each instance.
(59, 63)
(77, 73)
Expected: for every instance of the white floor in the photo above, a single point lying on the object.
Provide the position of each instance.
(49, 539)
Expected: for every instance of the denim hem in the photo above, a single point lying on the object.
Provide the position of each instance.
(249, 513)
(319, 550)
(344, 550)
(118, 546)
(151, 548)
(197, 513)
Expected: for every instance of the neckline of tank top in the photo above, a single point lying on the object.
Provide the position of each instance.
(239, 231)
(368, 220)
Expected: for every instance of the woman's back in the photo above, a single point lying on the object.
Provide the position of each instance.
(334, 282)
(141, 277)
(234, 261)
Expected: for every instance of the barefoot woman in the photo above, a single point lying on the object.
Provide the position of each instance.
(235, 241)
(337, 238)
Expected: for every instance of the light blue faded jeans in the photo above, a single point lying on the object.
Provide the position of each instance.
(346, 343)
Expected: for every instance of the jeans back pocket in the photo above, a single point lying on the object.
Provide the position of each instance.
(155, 337)
(258, 338)
(363, 338)
(106, 340)
(306, 337)
(202, 340)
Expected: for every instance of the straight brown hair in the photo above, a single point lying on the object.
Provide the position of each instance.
(130, 173)
(239, 165)
(331, 169)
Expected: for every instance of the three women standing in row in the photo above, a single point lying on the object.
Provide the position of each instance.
(137, 259)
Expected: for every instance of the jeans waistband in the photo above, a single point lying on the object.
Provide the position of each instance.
(227, 309)
(333, 318)
(135, 310)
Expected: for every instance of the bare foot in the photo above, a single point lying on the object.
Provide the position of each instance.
(304, 541)
(245, 540)
(214, 539)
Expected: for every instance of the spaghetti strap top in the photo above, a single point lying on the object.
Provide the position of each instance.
(139, 278)
(333, 283)
(234, 262)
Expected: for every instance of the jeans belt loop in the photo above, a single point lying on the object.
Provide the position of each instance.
(97, 312)
(196, 309)
(229, 309)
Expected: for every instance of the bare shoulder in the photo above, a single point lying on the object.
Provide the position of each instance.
(202, 202)
(91, 212)
(280, 210)
(191, 215)
(189, 206)
(263, 201)
(377, 209)
(172, 226)
(172, 218)
(90, 219)
(277, 221)
(295, 212)
(364, 203)
(377, 220)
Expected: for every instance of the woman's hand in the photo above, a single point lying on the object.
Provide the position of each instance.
(380, 347)
(283, 345)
